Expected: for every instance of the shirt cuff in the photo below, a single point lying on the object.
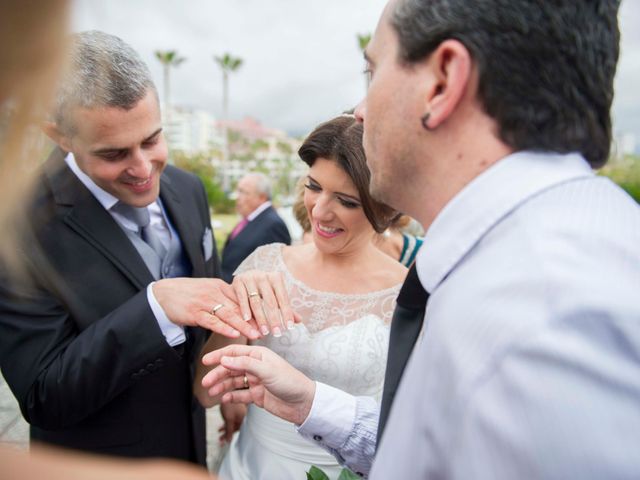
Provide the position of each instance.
(174, 334)
(331, 418)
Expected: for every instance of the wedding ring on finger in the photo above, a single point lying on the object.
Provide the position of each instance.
(254, 294)
(216, 308)
(245, 382)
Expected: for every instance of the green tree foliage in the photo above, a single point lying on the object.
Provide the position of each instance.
(201, 166)
(315, 473)
(626, 173)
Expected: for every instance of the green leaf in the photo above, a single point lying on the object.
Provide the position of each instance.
(347, 474)
(315, 473)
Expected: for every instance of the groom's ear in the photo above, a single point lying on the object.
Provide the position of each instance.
(55, 133)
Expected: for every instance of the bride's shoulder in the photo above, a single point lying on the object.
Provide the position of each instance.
(263, 257)
(292, 254)
(392, 270)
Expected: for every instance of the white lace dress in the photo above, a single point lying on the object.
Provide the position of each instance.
(342, 342)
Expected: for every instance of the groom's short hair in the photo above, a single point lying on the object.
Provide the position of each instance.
(103, 71)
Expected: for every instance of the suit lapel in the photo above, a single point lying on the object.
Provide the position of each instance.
(185, 222)
(88, 218)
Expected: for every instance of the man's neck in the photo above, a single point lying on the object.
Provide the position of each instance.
(458, 168)
(261, 208)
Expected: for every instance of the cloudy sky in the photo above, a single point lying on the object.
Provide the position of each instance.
(302, 63)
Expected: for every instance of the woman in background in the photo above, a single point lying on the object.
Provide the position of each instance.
(396, 242)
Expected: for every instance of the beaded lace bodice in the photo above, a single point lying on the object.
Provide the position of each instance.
(343, 338)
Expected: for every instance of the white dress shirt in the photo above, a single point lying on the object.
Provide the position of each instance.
(261, 208)
(530, 363)
(174, 334)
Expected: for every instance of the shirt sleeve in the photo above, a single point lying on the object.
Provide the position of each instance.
(174, 334)
(344, 425)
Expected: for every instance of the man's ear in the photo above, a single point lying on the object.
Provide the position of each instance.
(450, 67)
(53, 131)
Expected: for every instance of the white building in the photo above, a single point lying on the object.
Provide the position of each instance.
(190, 130)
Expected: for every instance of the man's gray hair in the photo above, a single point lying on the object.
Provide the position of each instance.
(263, 184)
(103, 72)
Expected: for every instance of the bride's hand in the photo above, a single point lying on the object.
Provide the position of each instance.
(263, 296)
(273, 384)
(232, 414)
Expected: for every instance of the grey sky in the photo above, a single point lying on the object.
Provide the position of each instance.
(302, 63)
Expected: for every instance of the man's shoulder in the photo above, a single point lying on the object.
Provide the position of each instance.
(175, 174)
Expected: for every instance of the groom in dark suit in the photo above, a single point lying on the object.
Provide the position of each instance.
(98, 335)
(260, 224)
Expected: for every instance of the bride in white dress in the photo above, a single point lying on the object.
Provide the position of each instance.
(341, 287)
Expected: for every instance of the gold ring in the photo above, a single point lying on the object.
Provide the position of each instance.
(254, 294)
(245, 381)
(216, 308)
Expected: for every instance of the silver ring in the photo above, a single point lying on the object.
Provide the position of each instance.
(216, 308)
(254, 294)
(245, 381)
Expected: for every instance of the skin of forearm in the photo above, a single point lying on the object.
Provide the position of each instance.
(214, 342)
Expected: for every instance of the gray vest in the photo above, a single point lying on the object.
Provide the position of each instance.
(174, 264)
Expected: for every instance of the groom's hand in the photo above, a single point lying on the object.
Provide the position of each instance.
(192, 301)
(273, 384)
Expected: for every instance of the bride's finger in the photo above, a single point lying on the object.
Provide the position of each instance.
(243, 298)
(255, 302)
(277, 282)
(270, 305)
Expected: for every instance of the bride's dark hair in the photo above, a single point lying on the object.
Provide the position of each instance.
(340, 140)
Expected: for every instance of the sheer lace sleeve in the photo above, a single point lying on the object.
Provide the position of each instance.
(263, 258)
(343, 338)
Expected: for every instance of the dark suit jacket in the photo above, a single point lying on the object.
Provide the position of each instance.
(79, 345)
(266, 228)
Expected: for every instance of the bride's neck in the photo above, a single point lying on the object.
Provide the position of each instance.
(356, 256)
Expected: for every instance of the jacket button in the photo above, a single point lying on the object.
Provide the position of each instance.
(151, 367)
(317, 438)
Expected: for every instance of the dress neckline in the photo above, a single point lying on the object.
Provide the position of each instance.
(301, 284)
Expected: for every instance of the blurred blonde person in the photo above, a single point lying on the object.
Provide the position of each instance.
(31, 57)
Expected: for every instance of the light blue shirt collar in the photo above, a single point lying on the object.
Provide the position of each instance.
(484, 202)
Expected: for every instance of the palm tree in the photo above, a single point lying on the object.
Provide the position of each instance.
(168, 59)
(227, 64)
(363, 41)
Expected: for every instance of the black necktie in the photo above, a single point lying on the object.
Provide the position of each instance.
(405, 328)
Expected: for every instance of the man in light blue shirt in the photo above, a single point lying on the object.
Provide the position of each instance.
(483, 121)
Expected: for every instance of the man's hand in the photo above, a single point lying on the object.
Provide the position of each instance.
(273, 384)
(191, 301)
